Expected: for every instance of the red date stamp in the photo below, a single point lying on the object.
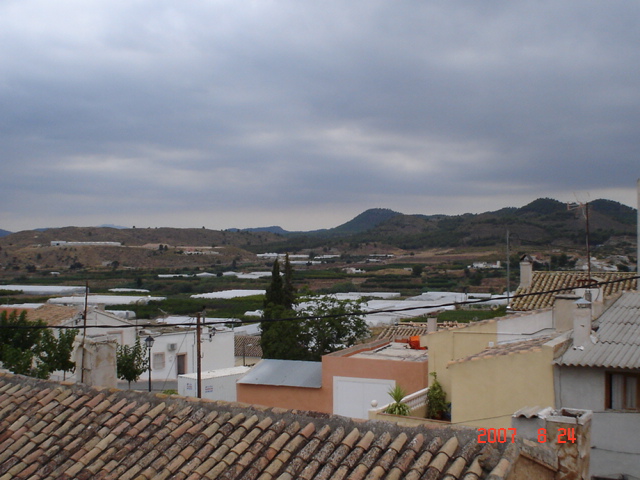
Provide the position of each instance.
(508, 435)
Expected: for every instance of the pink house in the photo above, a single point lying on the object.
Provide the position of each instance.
(343, 383)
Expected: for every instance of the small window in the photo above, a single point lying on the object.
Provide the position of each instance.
(158, 361)
(623, 391)
(181, 359)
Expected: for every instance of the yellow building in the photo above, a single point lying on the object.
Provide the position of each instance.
(488, 387)
(446, 346)
(491, 369)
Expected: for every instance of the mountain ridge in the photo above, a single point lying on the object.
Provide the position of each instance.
(607, 216)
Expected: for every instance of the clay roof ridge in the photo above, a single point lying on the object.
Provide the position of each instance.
(172, 437)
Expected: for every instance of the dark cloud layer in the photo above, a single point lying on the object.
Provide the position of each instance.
(226, 113)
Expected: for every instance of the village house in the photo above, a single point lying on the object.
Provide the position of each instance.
(343, 383)
(538, 289)
(556, 358)
(600, 370)
(174, 350)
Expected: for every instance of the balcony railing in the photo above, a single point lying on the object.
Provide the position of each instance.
(416, 401)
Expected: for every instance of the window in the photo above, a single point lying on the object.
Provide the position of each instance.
(182, 363)
(158, 361)
(623, 391)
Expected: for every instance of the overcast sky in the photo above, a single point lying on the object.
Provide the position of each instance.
(232, 113)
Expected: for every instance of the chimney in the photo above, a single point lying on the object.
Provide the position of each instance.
(582, 323)
(96, 361)
(567, 431)
(432, 324)
(526, 271)
(564, 311)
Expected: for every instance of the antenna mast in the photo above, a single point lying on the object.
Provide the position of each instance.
(585, 212)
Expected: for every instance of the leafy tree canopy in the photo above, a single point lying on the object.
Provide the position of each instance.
(131, 361)
(35, 352)
(342, 325)
(304, 336)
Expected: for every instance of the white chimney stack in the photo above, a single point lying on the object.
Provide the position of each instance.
(582, 323)
(526, 271)
(432, 324)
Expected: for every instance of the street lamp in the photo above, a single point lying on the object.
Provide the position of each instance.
(149, 343)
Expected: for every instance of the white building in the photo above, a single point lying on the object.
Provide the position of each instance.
(174, 352)
(216, 385)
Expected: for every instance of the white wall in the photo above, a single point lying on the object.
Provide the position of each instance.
(524, 326)
(217, 385)
(352, 396)
(122, 332)
(217, 352)
(579, 387)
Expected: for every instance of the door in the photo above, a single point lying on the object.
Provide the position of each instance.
(352, 396)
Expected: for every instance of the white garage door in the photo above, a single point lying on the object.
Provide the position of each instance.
(352, 396)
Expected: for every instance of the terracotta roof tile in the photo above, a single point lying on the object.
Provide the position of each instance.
(534, 297)
(403, 331)
(247, 346)
(62, 431)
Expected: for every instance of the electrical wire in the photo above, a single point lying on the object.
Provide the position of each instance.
(328, 316)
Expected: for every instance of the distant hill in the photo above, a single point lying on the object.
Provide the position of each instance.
(543, 222)
(364, 222)
(274, 229)
(4, 233)
(140, 236)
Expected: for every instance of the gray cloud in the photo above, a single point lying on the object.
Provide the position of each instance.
(204, 112)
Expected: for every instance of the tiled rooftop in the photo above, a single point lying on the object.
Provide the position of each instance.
(401, 330)
(247, 345)
(66, 431)
(510, 348)
(617, 338)
(53, 314)
(533, 298)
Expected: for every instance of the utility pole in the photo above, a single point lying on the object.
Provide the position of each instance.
(84, 330)
(199, 357)
(508, 269)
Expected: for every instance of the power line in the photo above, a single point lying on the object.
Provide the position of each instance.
(328, 316)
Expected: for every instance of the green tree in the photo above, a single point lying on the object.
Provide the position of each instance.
(58, 351)
(288, 290)
(332, 325)
(131, 362)
(280, 339)
(26, 346)
(300, 338)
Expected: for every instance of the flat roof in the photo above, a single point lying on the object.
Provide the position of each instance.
(394, 351)
(221, 372)
(285, 373)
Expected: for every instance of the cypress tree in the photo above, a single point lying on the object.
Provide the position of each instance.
(280, 340)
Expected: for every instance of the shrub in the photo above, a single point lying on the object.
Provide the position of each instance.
(437, 406)
(397, 407)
